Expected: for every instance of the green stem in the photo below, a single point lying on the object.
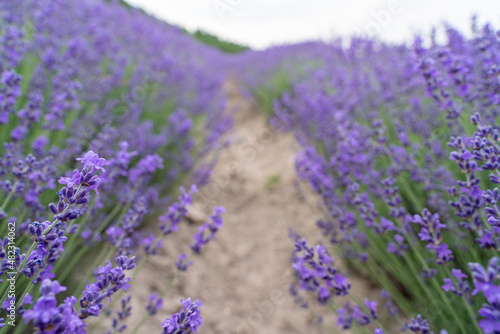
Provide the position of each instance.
(5, 293)
(140, 324)
(9, 196)
(26, 290)
(69, 267)
(110, 217)
(436, 286)
(73, 241)
(169, 285)
(98, 260)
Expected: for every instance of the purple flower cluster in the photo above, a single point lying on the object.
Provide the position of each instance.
(430, 233)
(183, 263)
(109, 280)
(155, 304)
(121, 315)
(486, 280)
(48, 316)
(460, 287)
(186, 321)
(206, 232)
(315, 272)
(49, 237)
(347, 315)
(419, 325)
(170, 221)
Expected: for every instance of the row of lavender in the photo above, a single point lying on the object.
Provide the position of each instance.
(139, 102)
(401, 143)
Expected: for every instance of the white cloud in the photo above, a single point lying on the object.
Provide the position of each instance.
(260, 23)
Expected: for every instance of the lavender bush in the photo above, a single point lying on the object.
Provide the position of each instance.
(401, 143)
(104, 113)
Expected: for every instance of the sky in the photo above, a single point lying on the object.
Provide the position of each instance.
(262, 23)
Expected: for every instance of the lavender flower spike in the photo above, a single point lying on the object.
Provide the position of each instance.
(186, 321)
(92, 160)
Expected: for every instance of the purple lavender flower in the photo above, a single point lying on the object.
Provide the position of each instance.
(109, 280)
(27, 300)
(398, 248)
(208, 231)
(92, 161)
(186, 321)
(460, 287)
(71, 319)
(86, 178)
(419, 325)
(122, 314)
(10, 90)
(389, 305)
(430, 233)
(361, 318)
(490, 312)
(49, 248)
(170, 221)
(428, 273)
(484, 278)
(372, 306)
(145, 168)
(46, 315)
(318, 275)
(151, 244)
(345, 316)
(431, 227)
(298, 299)
(44, 310)
(486, 281)
(155, 304)
(183, 263)
(8, 303)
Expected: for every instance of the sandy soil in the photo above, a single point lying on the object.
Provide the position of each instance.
(243, 277)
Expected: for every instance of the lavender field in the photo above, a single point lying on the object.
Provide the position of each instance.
(154, 180)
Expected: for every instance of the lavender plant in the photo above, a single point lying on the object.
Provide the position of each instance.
(401, 144)
(78, 78)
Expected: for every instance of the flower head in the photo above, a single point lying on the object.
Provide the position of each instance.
(186, 321)
(91, 160)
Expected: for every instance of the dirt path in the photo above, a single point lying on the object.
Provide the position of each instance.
(243, 277)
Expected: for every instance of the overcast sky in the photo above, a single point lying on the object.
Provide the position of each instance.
(261, 23)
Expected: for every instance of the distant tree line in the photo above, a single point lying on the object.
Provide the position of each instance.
(215, 41)
(203, 36)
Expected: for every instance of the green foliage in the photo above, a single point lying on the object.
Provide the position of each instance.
(209, 39)
(278, 84)
(272, 181)
(202, 36)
